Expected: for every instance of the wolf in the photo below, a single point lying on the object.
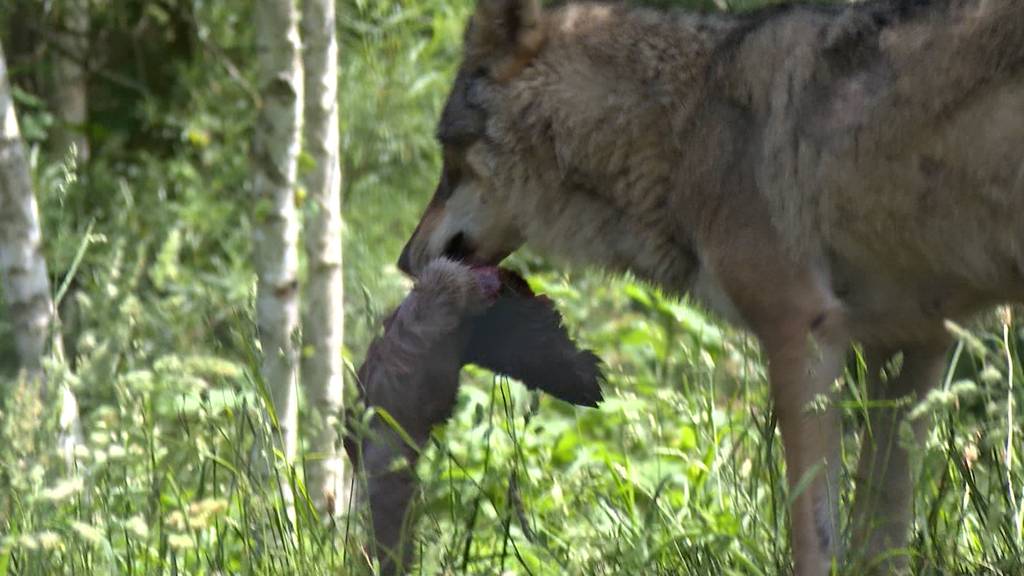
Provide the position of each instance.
(822, 175)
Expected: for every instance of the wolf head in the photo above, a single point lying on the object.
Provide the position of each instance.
(560, 132)
(467, 218)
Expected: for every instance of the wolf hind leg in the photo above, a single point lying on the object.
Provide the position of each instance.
(883, 495)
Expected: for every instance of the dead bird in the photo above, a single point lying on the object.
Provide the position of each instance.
(455, 315)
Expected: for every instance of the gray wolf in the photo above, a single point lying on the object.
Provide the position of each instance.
(822, 175)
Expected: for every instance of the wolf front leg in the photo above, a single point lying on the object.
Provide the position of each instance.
(882, 501)
(805, 339)
(788, 302)
(803, 366)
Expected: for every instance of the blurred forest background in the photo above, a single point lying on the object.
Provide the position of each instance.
(146, 216)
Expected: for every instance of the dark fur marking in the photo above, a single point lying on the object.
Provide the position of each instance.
(818, 322)
(463, 120)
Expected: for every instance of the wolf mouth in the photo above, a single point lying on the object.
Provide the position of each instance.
(459, 248)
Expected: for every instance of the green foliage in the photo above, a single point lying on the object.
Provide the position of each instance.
(680, 472)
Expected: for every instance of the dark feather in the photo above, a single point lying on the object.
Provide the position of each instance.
(523, 337)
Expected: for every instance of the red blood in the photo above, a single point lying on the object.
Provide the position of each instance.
(489, 278)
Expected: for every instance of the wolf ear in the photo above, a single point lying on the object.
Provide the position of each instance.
(504, 35)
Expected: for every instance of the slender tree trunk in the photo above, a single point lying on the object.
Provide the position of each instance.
(26, 282)
(276, 145)
(70, 93)
(323, 327)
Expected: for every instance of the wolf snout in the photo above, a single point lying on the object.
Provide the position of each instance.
(405, 260)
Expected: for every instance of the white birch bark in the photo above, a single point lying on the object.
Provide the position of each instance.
(276, 145)
(26, 282)
(323, 327)
(70, 92)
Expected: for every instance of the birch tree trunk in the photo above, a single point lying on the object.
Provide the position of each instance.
(276, 145)
(26, 282)
(70, 93)
(323, 331)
